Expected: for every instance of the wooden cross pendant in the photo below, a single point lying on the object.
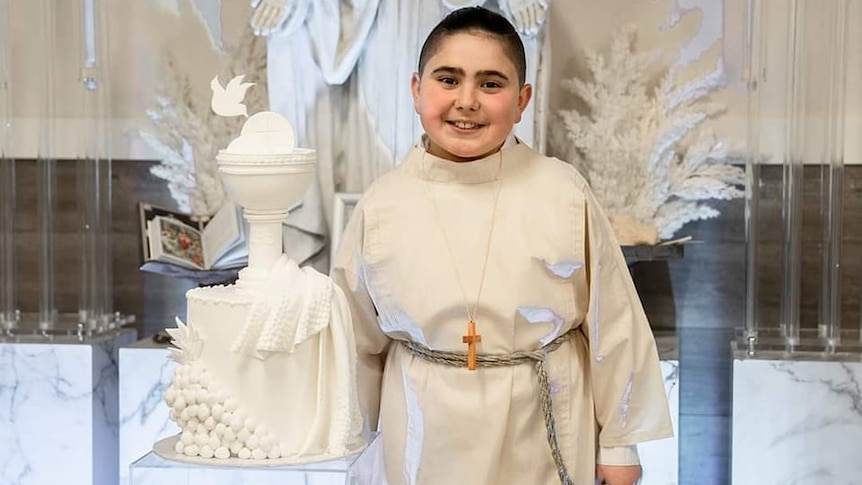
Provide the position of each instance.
(471, 339)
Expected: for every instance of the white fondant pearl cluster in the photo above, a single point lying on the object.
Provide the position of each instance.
(213, 425)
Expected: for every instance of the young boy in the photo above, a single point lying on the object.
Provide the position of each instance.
(479, 253)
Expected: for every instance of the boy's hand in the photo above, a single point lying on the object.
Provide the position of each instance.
(618, 474)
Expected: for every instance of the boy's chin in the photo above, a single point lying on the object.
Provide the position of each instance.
(466, 154)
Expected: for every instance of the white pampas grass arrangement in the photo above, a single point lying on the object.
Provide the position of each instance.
(187, 134)
(644, 150)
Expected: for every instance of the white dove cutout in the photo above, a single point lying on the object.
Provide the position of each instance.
(227, 101)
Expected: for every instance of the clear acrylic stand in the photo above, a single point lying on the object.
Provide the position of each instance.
(803, 87)
(8, 300)
(363, 468)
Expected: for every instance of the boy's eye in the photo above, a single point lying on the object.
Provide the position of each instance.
(447, 80)
(491, 85)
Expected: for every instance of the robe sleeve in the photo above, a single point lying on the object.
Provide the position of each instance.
(627, 384)
(348, 272)
(618, 456)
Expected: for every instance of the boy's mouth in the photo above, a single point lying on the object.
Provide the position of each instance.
(465, 125)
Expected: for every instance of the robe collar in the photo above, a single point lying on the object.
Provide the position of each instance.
(425, 166)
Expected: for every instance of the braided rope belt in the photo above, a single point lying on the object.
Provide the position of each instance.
(536, 357)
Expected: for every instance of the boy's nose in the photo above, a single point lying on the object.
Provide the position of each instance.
(467, 99)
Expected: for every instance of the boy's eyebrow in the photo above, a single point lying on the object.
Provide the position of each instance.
(460, 72)
(491, 72)
(448, 70)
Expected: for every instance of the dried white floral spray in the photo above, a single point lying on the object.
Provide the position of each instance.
(644, 150)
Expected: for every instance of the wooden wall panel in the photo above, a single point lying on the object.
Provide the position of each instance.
(704, 289)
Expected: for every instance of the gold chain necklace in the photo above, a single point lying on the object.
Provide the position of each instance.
(472, 338)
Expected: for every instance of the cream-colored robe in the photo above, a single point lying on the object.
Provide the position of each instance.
(553, 265)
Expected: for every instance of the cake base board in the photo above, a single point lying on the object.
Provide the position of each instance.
(165, 448)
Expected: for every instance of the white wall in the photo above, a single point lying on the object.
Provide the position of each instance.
(141, 31)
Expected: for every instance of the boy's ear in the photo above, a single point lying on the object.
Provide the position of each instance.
(524, 99)
(414, 88)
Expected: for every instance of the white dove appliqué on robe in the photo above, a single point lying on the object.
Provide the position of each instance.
(553, 265)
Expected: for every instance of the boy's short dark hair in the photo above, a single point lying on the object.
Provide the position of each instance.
(482, 20)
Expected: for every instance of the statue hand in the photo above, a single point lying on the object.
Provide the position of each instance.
(269, 15)
(527, 15)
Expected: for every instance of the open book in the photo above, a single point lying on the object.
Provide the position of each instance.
(187, 244)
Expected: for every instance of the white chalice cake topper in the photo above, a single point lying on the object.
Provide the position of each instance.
(264, 172)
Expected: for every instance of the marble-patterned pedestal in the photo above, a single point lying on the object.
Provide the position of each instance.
(58, 410)
(660, 458)
(796, 422)
(145, 373)
(363, 468)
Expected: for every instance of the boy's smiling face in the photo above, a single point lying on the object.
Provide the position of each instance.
(468, 97)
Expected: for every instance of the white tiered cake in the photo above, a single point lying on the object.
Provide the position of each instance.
(267, 365)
